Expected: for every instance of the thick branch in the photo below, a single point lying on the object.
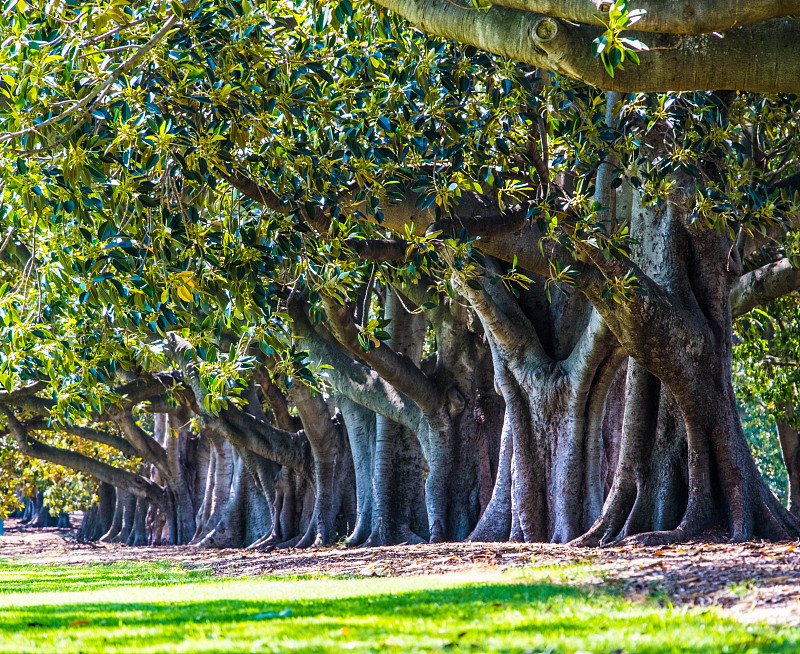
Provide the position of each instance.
(257, 192)
(503, 319)
(277, 402)
(356, 381)
(143, 388)
(147, 446)
(87, 433)
(505, 222)
(25, 391)
(397, 369)
(672, 17)
(673, 63)
(258, 436)
(763, 285)
(379, 250)
(593, 347)
(133, 483)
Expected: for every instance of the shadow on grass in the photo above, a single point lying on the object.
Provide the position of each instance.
(35, 578)
(514, 617)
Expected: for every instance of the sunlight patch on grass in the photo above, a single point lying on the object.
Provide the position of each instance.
(151, 608)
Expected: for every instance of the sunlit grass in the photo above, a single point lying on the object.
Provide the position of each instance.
(157, 607)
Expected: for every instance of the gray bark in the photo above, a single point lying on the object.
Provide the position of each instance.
(138, 533)
(789, 439)
(673, 63)
(116, 520)
(97, 520)
(763, 284)
(687, 344)
(554, 375)
(674, 17)
(360, 424)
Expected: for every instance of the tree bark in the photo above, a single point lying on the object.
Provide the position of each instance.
(674, 62)
(688, 345)
(553, 370)
(789, 439)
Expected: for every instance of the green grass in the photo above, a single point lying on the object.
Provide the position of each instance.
(155, 607)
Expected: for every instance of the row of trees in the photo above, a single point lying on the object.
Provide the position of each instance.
(290, 273)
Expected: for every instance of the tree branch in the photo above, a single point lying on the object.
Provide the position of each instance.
(288, 449)
(355, 380)
(258, 192)
(277, 402)
(593, 347)
(762, 285)
(87, 433)
(379, 250)
(396, 368)
(673, 17)
(133, 483)
(503, 319)
(147, 446)
(506, 222)
(673, 63)
(24, 391)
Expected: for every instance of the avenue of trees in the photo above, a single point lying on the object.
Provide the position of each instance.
(291, 273)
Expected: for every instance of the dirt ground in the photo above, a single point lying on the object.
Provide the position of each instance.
(751, 582)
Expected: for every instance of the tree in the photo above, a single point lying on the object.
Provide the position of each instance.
(218, 212)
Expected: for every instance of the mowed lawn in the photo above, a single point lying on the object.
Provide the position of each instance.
(156, 607)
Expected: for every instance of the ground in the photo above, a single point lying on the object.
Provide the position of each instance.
(517, 597)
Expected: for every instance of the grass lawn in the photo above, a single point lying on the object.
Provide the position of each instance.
(155, 607)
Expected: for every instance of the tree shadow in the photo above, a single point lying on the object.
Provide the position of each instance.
(34, 578)
(507, 617)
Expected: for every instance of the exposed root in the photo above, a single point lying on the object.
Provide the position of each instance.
(381, 536)
(266, 543)
(360, 534)
(654, 538)
(288, 544)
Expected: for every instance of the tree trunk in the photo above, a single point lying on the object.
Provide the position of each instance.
(128, 517)
(138, 534)
(360, 424)
(554, 362)
(468, 453)
(790, 451)
(650, 485)
(97, 520)
(332, 474)
(689, 347)
(221, 473)
(396, 482)
(227, 518)
(121, 498)
(179, 444)
(43, 518)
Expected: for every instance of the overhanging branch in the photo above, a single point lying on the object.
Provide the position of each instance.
(397, 369)
(133, 483)
(87, 433)
(762, 285)
(673, 63)
(674, 17)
